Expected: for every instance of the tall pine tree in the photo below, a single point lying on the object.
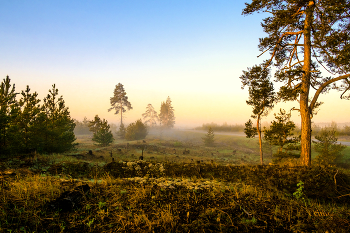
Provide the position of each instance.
(304, 35)
(166, 115)
(119, 101)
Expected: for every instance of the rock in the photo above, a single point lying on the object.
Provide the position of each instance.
(69, 199)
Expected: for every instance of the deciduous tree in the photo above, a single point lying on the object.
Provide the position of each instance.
(136, 131)
(304, 35)
(119, 101)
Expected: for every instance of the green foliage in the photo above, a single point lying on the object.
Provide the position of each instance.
(249, 130)
(119, 101)
(101, 131)
(209, 138)
(8, 114)
(122, 131)
(136, 131)
(298, 194)
(327, 147)
(166, 115)
(56, 126)
(281, 134)
(303, 39)
(25, 126)
(261, 94)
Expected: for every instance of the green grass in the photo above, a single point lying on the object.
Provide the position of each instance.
(224, 193)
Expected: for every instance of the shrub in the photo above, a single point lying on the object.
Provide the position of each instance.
(136, 131)
(327, 147)
(208, 139)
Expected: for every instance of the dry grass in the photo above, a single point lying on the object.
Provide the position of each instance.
(209, 196)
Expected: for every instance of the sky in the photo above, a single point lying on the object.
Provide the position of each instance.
(192, 51)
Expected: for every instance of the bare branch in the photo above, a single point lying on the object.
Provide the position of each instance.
(279, 41)
(292, 65)
(323, 86)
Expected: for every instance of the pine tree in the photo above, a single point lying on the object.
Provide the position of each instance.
(102, 133)
(8, 114)
(249, 130)
(261, 96)
(122, 131)
(166, 115)
(29, 110)
(302, 37)
(327, 147)
(57, 127)
(208, 139)
(119, 101)
(281, 134)
(150, 116)
(95, 124)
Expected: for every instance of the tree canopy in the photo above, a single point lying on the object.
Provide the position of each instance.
(119, 101)
(166, 115)
(26, 126)
(150, 116)
(261, 97)
(306, 37)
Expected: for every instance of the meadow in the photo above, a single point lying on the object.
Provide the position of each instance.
(179, 186)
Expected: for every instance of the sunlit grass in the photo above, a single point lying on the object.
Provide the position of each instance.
(196, 192)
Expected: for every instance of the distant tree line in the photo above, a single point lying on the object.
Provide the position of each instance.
(221, 128)
(28, 124)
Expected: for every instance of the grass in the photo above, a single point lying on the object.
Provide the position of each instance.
(223, 192)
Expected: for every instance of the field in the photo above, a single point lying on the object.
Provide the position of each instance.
(179, 186)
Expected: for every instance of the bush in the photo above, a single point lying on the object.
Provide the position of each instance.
(209, 138)
(327, 147)
(136, 131)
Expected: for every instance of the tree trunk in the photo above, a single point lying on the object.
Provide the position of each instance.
(260, 142)
(121, 114)
(305, 111)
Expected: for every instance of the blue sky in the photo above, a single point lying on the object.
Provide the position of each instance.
(192, 51)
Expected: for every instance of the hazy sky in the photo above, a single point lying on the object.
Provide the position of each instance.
(192, 51)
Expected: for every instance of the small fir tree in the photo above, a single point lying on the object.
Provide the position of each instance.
(208, 139)
(122, 131)
(102, 133)
(327, 147)
(8, 114)
(281, 134)
(29, 110)
(55, 127)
